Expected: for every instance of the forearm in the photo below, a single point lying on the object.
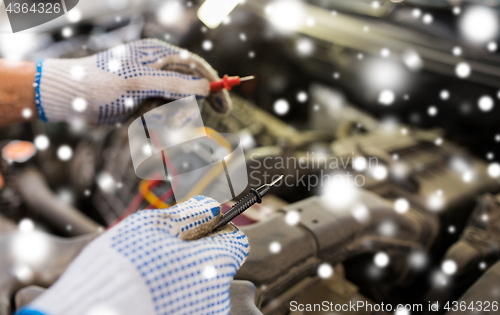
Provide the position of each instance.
(17, 93)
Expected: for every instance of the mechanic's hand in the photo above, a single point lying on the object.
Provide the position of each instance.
(109, 86)
(146, 265)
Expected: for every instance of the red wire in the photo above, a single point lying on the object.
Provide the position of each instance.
(171, 169)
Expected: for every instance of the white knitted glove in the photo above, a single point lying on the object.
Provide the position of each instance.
(145, 265)
(109, 86)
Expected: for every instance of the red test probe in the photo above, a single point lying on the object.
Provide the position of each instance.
(228, 82)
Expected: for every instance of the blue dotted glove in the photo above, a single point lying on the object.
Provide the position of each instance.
(109, 86)
(146, 265)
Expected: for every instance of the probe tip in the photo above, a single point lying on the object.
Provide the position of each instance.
(250, 77)
(276, 180)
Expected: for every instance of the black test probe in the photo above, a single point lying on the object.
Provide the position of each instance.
(254, 196)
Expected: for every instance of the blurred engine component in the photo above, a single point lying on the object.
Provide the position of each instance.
(480, 240)
(6, 225)
(44, 205)
(476, 250)
(34, 258)
(485, 289)
(285, 253)
(335, 289)
(27, 294)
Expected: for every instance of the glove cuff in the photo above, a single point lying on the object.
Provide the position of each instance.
(86, 286)
(57, 86)
(29, 311)
(38, 76)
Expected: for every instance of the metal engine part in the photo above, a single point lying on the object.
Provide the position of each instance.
(476, 250)
(19, 267)
(326, 234)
